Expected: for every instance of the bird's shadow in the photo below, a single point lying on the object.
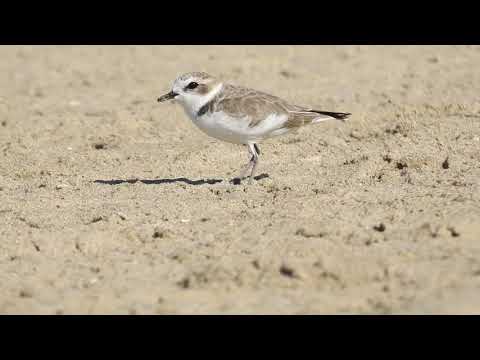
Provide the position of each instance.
(234, 181)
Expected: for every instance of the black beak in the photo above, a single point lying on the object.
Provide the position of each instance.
(169, 96)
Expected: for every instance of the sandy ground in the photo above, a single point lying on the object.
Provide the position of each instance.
(112, 203)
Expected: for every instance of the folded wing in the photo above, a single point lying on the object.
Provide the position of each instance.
(238, 101)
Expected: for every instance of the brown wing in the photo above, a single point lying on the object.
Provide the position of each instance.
(300, 118)
(237, 100)
(307, 116)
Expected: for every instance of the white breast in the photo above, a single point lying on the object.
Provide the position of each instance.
(236, 130)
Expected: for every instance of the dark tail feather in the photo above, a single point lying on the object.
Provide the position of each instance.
(336, 115)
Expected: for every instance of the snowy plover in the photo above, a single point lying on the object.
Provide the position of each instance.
(240, 115)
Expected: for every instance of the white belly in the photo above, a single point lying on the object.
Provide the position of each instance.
(236, 130)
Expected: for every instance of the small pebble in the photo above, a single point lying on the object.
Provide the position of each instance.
(288, 271)
(100, 146)
(445, 164)
(159, 233)
(184, 283)
(25, 293)
(96, 219)
(122, 216)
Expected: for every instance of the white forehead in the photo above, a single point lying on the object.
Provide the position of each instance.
(181, 81)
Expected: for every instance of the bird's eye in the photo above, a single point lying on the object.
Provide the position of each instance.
(192, 85)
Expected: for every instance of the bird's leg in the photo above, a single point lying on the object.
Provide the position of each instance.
(244, 170)
(255, 152)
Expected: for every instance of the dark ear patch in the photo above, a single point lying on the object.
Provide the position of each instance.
(202, 89)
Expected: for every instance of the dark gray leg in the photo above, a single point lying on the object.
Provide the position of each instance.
(255, 152)
(247, 167)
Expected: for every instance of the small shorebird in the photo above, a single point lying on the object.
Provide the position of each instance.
(240, 115)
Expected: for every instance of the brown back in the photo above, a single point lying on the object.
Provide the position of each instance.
(236, 101)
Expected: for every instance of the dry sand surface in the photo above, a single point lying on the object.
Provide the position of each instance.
(113, 203)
